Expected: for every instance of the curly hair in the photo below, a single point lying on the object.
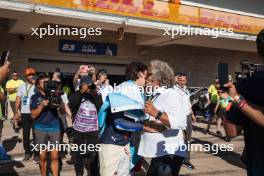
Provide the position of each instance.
(162, 72)
(133, 69)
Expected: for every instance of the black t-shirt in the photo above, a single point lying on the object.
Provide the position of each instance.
(253, 90)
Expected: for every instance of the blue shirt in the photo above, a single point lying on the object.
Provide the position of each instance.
(48, 119)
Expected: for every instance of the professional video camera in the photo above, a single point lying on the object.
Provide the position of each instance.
(53, 92)
(247, 70)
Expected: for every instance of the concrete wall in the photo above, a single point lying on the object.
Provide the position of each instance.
(200, 63)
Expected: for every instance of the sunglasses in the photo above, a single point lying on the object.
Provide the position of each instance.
(31, 74)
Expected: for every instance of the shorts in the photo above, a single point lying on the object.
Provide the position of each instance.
(46, 138)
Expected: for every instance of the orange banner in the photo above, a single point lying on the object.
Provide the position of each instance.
(161, 11)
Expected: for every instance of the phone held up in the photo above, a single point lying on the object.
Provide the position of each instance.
(223, 76)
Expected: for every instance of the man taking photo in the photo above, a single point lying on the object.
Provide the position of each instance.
(247, 111)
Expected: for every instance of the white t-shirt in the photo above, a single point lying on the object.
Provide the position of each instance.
(170, 141)
(25, 91)
(186, 97)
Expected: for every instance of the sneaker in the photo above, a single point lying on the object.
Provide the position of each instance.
(16, 130)
(188, 165)
(206, 131)
(219, 133)
(36, 159)
(27, 157)
(243, 162)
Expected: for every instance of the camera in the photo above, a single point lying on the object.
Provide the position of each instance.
(53, 92)
(247, 70)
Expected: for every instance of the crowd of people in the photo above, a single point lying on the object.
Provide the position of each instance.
(125, 123)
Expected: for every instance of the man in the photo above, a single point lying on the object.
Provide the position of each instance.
(85, 106)
(103, 84)
(181, 82)
(213, 110)
(247, 111)
(46, 127)
(115, 153)
(24, 93)
(11, 88)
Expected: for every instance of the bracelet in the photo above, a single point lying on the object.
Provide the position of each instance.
(158, 116)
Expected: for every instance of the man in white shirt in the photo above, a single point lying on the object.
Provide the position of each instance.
(181, 82)
(24, 93)
(167, 149)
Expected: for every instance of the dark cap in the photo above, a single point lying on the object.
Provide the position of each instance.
(86, 80)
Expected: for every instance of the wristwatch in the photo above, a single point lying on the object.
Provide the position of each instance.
(239, 101)
(158, 116)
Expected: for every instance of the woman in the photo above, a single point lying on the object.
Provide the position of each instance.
(167, 148)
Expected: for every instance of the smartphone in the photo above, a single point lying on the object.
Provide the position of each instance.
(4, 57)
(223, 75)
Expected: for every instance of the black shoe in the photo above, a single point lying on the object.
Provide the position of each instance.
(188, 165)
(16, 130)
(27, 157)
(243, 162)
(206, 131)
(227, 139)
(219, 133)
(36, 159)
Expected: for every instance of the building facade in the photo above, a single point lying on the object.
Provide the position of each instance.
(118, 32)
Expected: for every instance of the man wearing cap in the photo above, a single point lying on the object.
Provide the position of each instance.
(24, 92)
(85, 104)
(11, 88)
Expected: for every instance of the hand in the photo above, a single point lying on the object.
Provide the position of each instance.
(232, 89)
(150, 109)
(45, 103)
(193, 118)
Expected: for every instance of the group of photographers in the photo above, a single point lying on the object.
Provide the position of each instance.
(39, 105)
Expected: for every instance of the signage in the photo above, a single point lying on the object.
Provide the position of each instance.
(169, 12)
(89, 48)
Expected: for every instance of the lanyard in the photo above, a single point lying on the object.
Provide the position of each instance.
(27, 90)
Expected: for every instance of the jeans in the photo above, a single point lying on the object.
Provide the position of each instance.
(27, 125)
(168, 165)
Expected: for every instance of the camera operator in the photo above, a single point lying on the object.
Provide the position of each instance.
(85, 106)
(46, 126)
(247, 110)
